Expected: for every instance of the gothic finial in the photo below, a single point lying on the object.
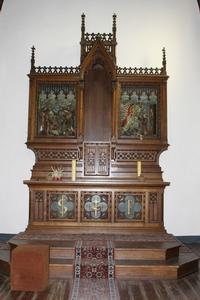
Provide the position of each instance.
(164, 62)
(82, 25)
(33, 59)
(114, 28)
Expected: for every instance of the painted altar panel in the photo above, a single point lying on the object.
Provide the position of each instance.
(56, 110)
(62, 206)
(129, 206)
(96, 206)
(139, 112)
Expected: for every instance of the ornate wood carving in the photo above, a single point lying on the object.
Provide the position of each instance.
(139, 71)
(38, 205)
(97, 158)
(154, 207)
(88, 40)
(56, 70)
(57, 154)
(107, 118)
(130, 155)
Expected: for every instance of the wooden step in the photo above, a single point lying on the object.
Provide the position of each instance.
(146, 250)
(188, 263)
(133, 259)
(58, 249)
(185, 264)
(5, 261)
(57, 252)
(61, 268)
(62, 249)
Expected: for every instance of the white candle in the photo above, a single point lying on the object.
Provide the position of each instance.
(139, 168)
(73, 169)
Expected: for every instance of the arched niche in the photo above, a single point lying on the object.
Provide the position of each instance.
(97, 102)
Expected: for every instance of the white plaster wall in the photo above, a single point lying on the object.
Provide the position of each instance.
(143, 28)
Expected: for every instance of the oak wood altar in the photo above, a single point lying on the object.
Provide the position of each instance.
(113, 122)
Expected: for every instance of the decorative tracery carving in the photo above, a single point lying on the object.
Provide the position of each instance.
(153, 207)
(56, 70)
(38, 202)
(57, 154)
(97, 158)
(139, 71)
(131, 155)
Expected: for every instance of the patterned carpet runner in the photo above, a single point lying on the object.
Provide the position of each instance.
(94, 271)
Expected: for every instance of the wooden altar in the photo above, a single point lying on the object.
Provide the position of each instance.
(97, 131)
(113, 122)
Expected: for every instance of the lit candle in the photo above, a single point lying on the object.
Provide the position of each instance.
(139, 168)
(73, 169)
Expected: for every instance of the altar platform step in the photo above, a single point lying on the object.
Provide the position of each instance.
(184, 264)
(134, 258)
(58, 249)
(62, 250)
(61, 268)
(61, 255)
(128, 250)
(5, 261)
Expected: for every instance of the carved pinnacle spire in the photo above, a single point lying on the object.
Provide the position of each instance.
(82, 36)
(82, 25)
(114, 28)
(33, 59)
(164, 62)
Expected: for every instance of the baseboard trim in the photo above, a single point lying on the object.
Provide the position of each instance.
(6, 236)
(189, 239)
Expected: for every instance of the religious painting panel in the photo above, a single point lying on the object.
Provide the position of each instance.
(56, 110)
(139, 112)
(96, 206)
(129, 206)
(62, 206)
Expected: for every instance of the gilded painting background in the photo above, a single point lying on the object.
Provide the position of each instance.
(56, 110)
(139, 112)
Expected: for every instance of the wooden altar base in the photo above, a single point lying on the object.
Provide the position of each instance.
(134, 256)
